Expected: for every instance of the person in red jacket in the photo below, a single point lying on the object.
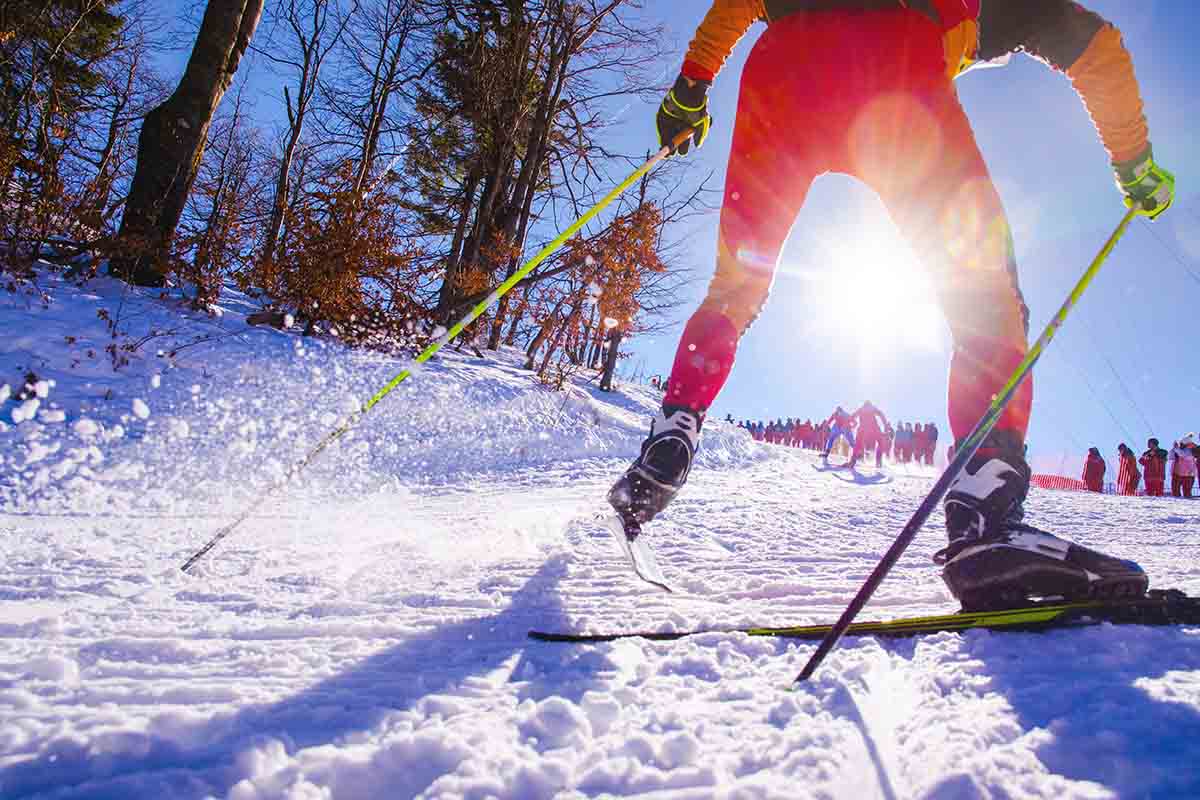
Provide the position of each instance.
(871, 424)
(919, 443)
(1093, 470)
(865, 88)
(1154, 463)
(1128, 476)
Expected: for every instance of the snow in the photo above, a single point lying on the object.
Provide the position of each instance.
(362, 634)
(26, 410)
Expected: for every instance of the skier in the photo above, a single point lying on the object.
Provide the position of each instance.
(870, 433)
(1154, 461)
(1094, 469)
(864, 87)
(840, 426)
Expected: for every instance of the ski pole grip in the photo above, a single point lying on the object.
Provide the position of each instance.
(682, 137)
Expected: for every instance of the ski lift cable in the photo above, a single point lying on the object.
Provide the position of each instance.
(1120, 381)
(1096, 395)
(1178, 258)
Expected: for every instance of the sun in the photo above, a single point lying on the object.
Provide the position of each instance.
(864, 284)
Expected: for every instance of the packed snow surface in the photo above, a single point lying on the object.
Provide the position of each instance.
(363, 633)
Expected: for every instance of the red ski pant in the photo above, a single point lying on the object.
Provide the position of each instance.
(1154, 488)
(868, 440)
(867, 95)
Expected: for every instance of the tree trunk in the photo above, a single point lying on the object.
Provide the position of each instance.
(172, 139)
(559, 335)
(610, 363)
(446, 294)
(543, 332)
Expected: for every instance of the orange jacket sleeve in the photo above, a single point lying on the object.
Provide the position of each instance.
(1104, 78)
(724, 24)
(1081, 43)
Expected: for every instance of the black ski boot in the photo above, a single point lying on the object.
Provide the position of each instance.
(660, 471)
(995, 561)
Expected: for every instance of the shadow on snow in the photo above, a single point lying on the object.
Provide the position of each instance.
(354, 701)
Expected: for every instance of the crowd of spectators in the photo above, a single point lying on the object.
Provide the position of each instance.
(902, 443)
(1156, 464)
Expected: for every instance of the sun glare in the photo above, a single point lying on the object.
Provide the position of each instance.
(865, 285)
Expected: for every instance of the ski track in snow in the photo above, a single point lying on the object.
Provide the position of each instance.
(363, 634)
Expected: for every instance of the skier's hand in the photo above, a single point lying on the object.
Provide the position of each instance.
(684, 107)
(1145, 184)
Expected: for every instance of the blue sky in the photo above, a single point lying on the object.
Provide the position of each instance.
(1124, 366)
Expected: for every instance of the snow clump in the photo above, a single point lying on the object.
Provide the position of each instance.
(140, 409)
(26, 410)
(85, 427)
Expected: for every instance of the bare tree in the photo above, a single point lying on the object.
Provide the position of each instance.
(316, 28)
(384, 50)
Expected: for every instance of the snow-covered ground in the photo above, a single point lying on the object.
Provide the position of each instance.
(363, 634)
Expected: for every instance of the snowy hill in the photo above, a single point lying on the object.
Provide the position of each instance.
(363, 634)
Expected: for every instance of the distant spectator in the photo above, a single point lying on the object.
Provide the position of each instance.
(1154, 462)
(805, 432)
(1093, 470)
(902, 442)
(1128, 476)
(919, 443)
(1183, 470)
(931, 434)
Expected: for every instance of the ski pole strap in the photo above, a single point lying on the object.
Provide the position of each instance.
(962, 455)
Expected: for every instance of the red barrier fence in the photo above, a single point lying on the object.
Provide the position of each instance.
(1058, 482)
(1062, 484)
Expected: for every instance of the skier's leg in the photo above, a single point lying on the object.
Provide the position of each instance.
(952, 216)
(938, 190)
(833, 437)
(857, 451)
(764, 190)
(775, 155)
